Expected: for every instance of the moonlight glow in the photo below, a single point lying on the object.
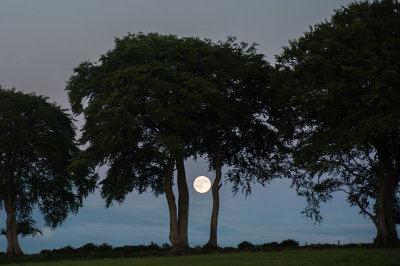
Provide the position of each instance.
(202, 184)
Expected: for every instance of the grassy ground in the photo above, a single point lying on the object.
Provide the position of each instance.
(378, 257)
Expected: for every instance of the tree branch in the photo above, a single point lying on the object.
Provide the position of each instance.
(372, 217)
(343, 164)
(364, 210)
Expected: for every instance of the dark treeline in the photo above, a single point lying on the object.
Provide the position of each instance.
(327, 116)
(102, 251)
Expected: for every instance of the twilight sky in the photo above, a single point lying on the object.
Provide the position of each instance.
(43, 40)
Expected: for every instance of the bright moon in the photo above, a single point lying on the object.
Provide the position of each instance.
(202, 184)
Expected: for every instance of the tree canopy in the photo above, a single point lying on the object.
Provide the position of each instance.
(37, 143)
(155, 100)
(140, 103)
(234, 128)
(339, 107)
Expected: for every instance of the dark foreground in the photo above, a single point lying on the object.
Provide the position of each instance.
(342, 256)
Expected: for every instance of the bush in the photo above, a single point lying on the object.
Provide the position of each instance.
(129, 249)
(45, 252)
(104, 248)
(289, 243)
(118, 250)
(135, 249)
(269, 246)
(245, 245)
(229, 249)
(153, 246)
(64, 250)
(87, 248)
(166, 246)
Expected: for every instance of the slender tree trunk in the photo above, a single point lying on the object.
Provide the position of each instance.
(183, 203)
(212, 242)
(173, 221)
(387, 234)
(13, 247)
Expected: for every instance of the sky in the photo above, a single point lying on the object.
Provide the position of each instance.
(43, 40)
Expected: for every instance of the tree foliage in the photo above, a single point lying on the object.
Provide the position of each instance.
(26, 226)
(36, 147)
(141, 102)
(339, 105)
(234, 128)
(235, 118)
(154, 99)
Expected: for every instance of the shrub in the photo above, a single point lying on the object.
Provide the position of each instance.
(229, 249)
(271, 245)
(118, 249)
(64, 250)
(153, 246)
(130, 249)
(89, 247)
(166, 246)
(289, 243)
(245, 245)
(45, 252)
(104, 248)
(268, 246)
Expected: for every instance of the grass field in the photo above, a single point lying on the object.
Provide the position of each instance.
(353, 256)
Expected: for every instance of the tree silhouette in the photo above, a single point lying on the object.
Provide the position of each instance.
(25, 227)
(36, 147)
(340, 108)
(235, 131)
(140, 104)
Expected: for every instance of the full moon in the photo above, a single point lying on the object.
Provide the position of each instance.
(202, 184)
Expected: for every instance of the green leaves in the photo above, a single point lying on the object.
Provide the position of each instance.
(37, 143)
(155, 96)
(141, 104)
(25, 227)
(338, 87)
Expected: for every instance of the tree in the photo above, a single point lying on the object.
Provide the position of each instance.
(140, 103)
(339, 106)
(25, 227)
(235, 131)
(36, 146)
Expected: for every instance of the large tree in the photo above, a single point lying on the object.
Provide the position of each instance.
(339, 105)
(26, 226)
(37, 142)
(140, 103)
(235, 131)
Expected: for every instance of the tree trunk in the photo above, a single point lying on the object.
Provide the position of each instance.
(212, 242)
(13, 247)
(387, 234)
(173, 221)
(183, 203)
